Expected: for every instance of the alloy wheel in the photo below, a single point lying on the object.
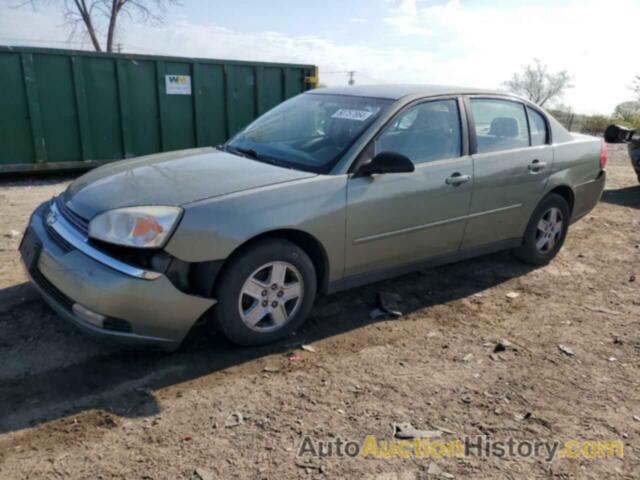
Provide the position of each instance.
(271, 296)
(549, 230)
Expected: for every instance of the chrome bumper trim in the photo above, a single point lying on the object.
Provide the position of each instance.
(78, 241)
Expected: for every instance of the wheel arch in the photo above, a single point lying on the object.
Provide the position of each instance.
(566, 192)
(307, 242)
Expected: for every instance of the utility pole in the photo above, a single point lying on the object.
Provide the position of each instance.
(119, 47)
(350, 73)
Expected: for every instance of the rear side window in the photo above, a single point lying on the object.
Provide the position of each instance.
(499, 124)
(538, 128)
(427, 132)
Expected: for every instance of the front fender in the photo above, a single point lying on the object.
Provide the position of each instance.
(212, 229)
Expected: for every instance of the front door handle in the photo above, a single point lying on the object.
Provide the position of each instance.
(457, 179)
(536, 166)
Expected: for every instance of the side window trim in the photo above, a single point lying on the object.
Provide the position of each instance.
(526, 115)
(547, 127)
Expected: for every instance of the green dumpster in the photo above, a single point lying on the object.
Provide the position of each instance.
(64, 109)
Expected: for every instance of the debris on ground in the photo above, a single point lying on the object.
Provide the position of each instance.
(203, 474)
(566, 350)
(12, 234)
(390, 303)
(293, 357)
(513, 295)
(436, 471)
(503, 345)
(606, 311)
(443, 430)
(376, 313)
(310, 467)
(468, 357)
(521, 418)
(500, 347)
(308, 348)
(271, 369)
(632, 277)
(234, 420)
(636, 418)
(407, 431)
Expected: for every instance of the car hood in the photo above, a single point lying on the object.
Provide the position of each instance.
(172, 178)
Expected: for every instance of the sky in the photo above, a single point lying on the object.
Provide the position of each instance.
(475, 43)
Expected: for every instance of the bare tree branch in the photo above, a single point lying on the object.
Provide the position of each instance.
(95, 15)
(85, 14)
(538, 85)
(636, 86)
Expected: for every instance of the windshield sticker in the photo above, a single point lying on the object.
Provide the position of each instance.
(347, 114)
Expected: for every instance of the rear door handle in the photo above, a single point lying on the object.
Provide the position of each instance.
(537, 165)
(457, 179)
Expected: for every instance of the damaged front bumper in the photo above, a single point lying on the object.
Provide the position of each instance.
(101, 294)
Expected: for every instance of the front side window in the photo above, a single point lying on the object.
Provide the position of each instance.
(538, 128)
(499, 125)
(424, 133)
(309, 132)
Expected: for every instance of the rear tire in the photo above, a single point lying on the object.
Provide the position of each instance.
(546, 231)
(265, 293)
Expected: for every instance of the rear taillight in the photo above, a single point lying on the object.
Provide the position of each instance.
(603, 155)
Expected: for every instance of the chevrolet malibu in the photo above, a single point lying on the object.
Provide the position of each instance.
(332, 189)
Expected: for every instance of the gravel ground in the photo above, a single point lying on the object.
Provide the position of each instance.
(70, 407)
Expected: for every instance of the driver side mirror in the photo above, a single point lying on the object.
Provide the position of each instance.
(386, 162)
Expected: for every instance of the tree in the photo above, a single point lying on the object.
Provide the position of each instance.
(628, 111)
(595, 124)
(537, 84)
(636, 86)
(96, 16)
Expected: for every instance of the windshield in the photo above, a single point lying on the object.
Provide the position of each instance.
(309, 132)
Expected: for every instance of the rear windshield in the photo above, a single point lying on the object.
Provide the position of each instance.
(309, 132)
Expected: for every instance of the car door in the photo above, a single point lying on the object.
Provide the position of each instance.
(511, 164)
(399, 219)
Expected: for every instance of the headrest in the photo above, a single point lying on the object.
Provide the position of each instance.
(504, 127)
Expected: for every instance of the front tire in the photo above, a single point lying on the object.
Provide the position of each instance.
(546, 231)
(265, 293)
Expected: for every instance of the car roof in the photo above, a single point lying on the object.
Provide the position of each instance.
(396, 92)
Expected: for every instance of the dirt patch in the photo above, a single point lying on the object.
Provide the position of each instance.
(73, 407)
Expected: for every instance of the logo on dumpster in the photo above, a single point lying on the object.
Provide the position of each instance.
(177, 84)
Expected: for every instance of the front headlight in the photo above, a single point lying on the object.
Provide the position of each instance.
(142, 227)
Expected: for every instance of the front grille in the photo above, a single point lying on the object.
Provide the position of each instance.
(80, 223)
(51, 290)
(58, 240)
